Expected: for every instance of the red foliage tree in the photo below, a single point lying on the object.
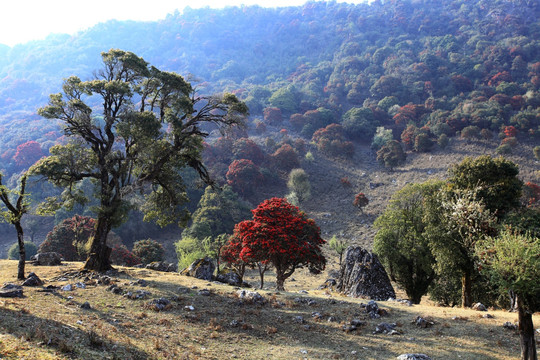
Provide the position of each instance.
(285, 158)
(70, 237)
(330, 140)
(510, 131)
(120, 255)
(462, 84)
(28, 153)
(408, 135)
(499, 78)
(283, 236)
(243, 176)
(272, 116)
(361, 201)
(219, 151)
(531, 193)
(409, 113)
(247, 149)
(297, 121)
(230, 254)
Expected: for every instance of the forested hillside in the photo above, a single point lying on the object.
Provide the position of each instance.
(331, 87)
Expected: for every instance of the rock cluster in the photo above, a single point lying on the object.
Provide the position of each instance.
(413, 357)
(162, 266)
(159, 304)
(251, 297)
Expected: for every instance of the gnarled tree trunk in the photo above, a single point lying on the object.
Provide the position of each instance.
(99, 257)
(22, 251)
(526, 333)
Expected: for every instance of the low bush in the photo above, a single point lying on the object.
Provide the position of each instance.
(29, 247)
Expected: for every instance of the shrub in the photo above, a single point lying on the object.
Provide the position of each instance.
(391, 154)
(345, 182)
(503, 149)
(536, 152)
(120, 255)
(510, 141)
(361, 201)
(422, 143)
(470, 132)
(188, 249)
(29, 247)
(442, 141)
(359, 123)
(509, 131)
(316, 119)
(382, 137)
(70, 238)
(339, 246)
(486, 134)
(148, 250)
(298, 184)
(310, 158)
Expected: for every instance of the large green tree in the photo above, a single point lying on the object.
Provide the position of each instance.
(513, 262)
(131, 129)
(16, 205)
(217, 213)
(401, 241)
(494, 180)
(479, 192)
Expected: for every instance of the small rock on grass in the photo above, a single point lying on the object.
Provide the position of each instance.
(413, 357)
(479, 307)
(11, 290)
(32, 280)
(86, 305)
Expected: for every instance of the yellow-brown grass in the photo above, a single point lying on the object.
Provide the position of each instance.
(44, 325)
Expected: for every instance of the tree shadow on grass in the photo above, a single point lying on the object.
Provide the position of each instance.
(64, 338)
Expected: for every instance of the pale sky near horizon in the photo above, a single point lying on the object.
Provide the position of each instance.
(26, 20)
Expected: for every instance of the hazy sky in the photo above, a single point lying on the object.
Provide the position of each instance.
(25, 20)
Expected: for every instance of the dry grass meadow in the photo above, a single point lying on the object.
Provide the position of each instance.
(50, 324)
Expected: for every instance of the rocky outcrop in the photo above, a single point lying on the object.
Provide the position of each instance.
(47, 259)
(362, 275)
(229, 277)
(201, 269)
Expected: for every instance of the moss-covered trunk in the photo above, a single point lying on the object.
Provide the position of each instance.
(99, 257)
